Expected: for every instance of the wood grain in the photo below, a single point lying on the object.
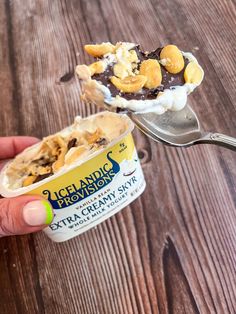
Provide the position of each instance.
(173, 250)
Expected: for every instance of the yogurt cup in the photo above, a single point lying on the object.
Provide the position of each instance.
(90, 191)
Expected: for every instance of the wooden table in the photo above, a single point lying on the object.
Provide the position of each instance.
(173, 250)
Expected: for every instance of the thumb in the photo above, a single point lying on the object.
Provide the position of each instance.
(24, 214)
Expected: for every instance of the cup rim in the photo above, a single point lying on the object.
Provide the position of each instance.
(5, 192)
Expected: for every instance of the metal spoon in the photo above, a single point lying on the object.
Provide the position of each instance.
(178, 128)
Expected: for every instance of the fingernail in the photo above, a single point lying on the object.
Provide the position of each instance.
(38, 213)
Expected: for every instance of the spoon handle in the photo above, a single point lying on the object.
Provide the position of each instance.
(219, 139)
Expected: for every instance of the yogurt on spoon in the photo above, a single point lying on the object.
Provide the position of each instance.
(125, 77)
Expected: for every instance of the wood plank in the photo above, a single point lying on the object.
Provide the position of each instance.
(173, 249)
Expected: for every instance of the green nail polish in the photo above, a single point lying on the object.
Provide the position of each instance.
(49, 212)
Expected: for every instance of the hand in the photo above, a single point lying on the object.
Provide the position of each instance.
(26, 213)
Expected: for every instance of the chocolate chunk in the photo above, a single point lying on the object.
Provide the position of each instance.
(44, 161)
(102, 141)
(154, 54)
(40, 177)
(49, 163)
(140, 54)
(71, 143)
(168, 79)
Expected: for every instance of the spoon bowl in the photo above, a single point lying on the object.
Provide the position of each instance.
(177, 128)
